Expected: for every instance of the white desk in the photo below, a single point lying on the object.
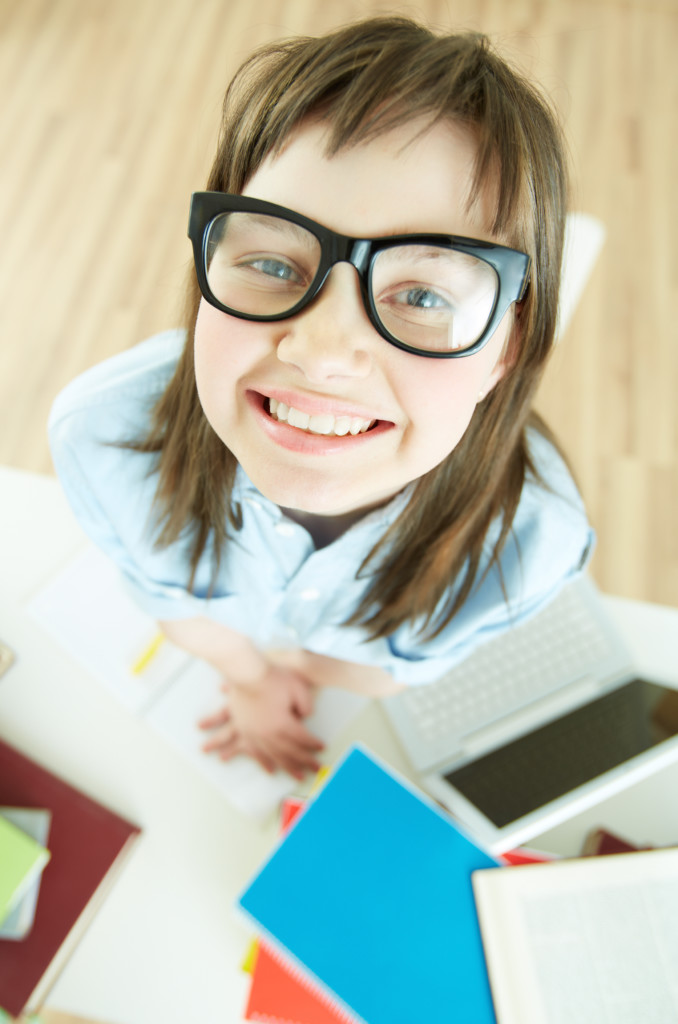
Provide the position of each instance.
(166, 947)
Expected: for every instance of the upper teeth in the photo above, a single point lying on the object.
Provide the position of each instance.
(319, 424)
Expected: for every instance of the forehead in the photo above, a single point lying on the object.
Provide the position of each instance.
(416, 177)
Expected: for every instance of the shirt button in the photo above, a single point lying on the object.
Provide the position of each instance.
(310, 594)
(284, 529)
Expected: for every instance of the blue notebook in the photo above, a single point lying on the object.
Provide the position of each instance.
(370, 893)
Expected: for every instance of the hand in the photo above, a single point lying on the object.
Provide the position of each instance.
(264, 720)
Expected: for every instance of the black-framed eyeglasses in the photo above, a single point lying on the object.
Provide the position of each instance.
(430, 294)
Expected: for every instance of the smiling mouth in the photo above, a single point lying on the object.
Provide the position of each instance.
(324, 423)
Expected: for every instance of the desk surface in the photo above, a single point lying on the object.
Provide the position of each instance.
(166, 946)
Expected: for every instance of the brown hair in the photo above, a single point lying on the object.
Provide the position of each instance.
(363, 80)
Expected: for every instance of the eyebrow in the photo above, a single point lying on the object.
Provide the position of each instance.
(427, 253)
(280, 225)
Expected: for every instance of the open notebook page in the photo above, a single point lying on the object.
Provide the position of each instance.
(86, 609)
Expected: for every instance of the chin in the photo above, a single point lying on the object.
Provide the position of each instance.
(312, 496)
(316, 504)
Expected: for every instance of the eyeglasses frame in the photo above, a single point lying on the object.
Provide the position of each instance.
(511, 266)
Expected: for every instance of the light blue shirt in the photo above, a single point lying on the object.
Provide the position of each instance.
(273, 585)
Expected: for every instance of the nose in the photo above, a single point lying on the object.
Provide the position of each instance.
(332, 337)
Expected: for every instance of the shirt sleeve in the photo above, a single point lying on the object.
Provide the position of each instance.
(111, 488)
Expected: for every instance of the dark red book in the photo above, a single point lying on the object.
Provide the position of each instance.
(88, 844)
(600, 843)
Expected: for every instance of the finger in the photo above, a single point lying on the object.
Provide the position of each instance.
(213, 721)
(298, 769)
(221, 740)
(271, 758)
(266, 762)
(304, 700)
(276, 753)
(229, 750)
(292, 759)
(302, 738)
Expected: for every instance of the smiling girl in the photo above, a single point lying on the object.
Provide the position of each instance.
(332, 476)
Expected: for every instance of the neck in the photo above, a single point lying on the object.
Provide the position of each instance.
(325, 529)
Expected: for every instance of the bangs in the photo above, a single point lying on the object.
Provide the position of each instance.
(375, 76)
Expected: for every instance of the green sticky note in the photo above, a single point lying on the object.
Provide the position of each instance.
(21, 861)
(4, 1016)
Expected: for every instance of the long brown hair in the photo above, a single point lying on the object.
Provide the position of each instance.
(363, 80)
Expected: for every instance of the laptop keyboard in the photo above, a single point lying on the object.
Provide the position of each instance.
(559, 645)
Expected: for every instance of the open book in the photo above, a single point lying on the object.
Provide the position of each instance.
(87, 610)
(583, 941)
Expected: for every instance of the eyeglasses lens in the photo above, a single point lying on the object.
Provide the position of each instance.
(259, 264)
(433, 298)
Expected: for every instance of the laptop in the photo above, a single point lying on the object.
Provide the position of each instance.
(537, 724)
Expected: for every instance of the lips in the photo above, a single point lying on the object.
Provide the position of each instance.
(327, 413)
(323, 423)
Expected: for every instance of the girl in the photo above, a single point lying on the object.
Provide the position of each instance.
(333, 476)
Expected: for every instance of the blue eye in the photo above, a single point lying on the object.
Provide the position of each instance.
(276, 268)
(423, 298)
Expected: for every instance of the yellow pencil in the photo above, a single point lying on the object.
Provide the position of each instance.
(148, 654)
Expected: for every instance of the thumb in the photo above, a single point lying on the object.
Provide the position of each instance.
(303, 699)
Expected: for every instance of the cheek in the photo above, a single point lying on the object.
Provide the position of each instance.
(213, 339)
(221, 354)
(442, 395)
(219, 364)
(449, 389)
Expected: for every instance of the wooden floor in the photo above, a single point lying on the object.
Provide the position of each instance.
(108, 121)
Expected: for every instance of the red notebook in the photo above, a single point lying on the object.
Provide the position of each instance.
(88, 844)
(524, 855)
(280, 995)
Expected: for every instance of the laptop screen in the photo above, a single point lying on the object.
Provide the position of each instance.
(556, 758)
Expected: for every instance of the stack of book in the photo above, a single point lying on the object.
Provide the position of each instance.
(59, 852)
(365, 910)
(376, 908)
(279, 992)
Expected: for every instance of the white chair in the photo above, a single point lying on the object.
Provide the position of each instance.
(584, 237)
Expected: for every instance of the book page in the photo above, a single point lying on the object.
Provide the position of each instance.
(593, 941)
